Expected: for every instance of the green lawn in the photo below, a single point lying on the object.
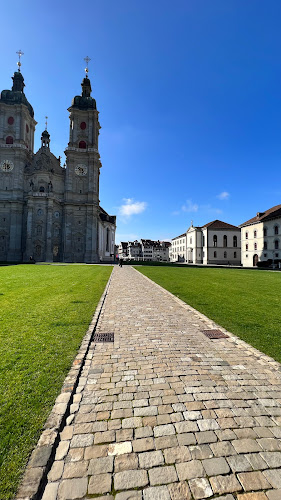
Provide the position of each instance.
(44, 314)
(245, 302)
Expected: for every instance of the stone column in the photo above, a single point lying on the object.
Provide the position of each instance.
(16, 217)
(29, 250)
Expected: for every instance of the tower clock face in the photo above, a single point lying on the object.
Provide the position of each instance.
(81, 169)
(7, 166)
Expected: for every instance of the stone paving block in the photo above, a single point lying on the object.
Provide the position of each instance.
(223, 449)
(225, 484)
(144, 444)
(252, 481)
(131, 423)
(188, 426)
(75, 469)
(215, 466)
(146, 411)
(162, 475)
(130, 479)
(104, 437)
(246, 445)
(96, 451)
(128, 461)
(81, 440)
(190, 470)
(125, 435)
(128, 495)
(274, 477)
(179, 491)
(200, 488)
(206, 437)
(150, 459)
(273, 495)
(253, 496)
(56, 471)
(100, 465)
(120, 448)
(142, 432)
(165, 442)
(273, 459)
(239, 463)
(256, 461)
(156, 493)
(99, 483)
(72, 488)
(50, 492)
(164, 430)
(177, 455)
(202, 451)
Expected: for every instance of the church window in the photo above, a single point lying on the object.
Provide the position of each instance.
(83, 125)
(255, 234)
(255, 246)
(225, 255)
(247, 246)
(265, 245)
(235, 241)
(225, 241)
(39, 230)
(246, 235)
(42, 189)
(57, 214)
(276, 230)
(215, 240)
(215, 255)
(39, 211)
(10, 120)
(276, 244)
(265, 231)
(27, 128)
(235, 255)
(9, 140)
(82, 145)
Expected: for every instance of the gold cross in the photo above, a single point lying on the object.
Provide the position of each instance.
(87, 60)
(46, 122)
(20, 53)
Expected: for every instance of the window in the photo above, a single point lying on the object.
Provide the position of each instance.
(235, 255)
(215, 255)
(203, 240)
(276, 244)
(265, 231)
(10, 140)
(39, 230)
(255, 246)
(225, 241)
(83, 125)
(225, 255)
(82, 145)
(265, 245)
(235, 241)
(255, 234)
(276, 230)
(215, 240)
(246, 235)
(10, 120)
(247, 246)
(42, 189)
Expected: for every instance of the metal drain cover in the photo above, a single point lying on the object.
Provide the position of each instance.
(103, 337)
(214, 334)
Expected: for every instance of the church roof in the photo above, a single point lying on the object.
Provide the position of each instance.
(218, 224)
(104, 216)
(17, 95)
(84, 101)
(269, 214)
(44, 160)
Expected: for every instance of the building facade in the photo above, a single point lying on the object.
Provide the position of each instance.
(261, 238)
(144, 250)
(48, 211)
(215, 243)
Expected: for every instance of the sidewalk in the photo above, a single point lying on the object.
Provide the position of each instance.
(164, 413)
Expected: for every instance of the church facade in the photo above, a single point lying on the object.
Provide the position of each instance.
(50, 212)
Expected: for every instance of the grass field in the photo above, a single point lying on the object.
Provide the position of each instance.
(44, 314)
(245, 302)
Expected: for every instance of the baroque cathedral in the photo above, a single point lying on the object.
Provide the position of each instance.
(50, 212)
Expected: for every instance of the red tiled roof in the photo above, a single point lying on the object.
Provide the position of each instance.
(218, 224)
(271, 213)
(180, 236)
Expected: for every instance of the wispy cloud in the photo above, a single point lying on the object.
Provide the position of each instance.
(223, 196)
(131, 207)
(126, 237)
(189, 206)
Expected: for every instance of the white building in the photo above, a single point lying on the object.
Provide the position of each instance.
(261, 237)
(214, 243)
(144, 250)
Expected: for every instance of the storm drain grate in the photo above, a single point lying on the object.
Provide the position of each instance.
(214, 334)
(103, 337)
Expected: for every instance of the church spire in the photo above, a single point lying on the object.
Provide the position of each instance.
(45, 137)
(18, 81)
(86, 84)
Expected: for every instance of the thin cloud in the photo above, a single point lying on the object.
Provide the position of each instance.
(131, 207)
(223, 196)
(190, 207)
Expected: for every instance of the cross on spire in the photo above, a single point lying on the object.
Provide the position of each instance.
(87, 60)
(46, 122)
(20, 53)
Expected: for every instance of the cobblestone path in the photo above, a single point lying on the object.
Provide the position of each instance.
(164, 413)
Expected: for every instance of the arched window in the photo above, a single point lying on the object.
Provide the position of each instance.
(247, 246)
(39, 230)
(246, 235)
(10, 140)
(235, 255)
(265, 231)
(215, 240)
(225, 255)
(276, 230)
(276, 244)
(255, 245)
(215, 255)
(225, 240)
(255, 234)
(82, 145)
(235, 241)
(42, 189)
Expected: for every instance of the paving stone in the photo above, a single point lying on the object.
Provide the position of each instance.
(162, 475)
(142, 432)
(164, 430)
(125, 434)
(50, 492)
(179, 491)
(131, 423)
(104, 437)
(156, 493)
(256, 461)
(146, 411)
(223, 449)
(273, 459)
(99, 483)
(177, 455)
(72, 488)
(100, 465)
(75, 469)
(202, 451)
(253, 496)
(274, 477)
(96, 451)
(56, 471)
(188, 426)
(215, 466)
(126, 462)
(120, 448)
(190, 470)
(225, 484)
(128, 495)
(273, 495)
(252, 481)
(81, 440)
(239, 463)
(200, 488)
(165, 442)
(144, 444)
(150, 459)
(130, 479)
(62, 450)
(206, 437)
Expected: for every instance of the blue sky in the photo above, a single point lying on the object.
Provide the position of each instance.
(189, 94)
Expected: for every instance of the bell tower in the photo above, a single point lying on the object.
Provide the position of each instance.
(17, 127)
(83, 164)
